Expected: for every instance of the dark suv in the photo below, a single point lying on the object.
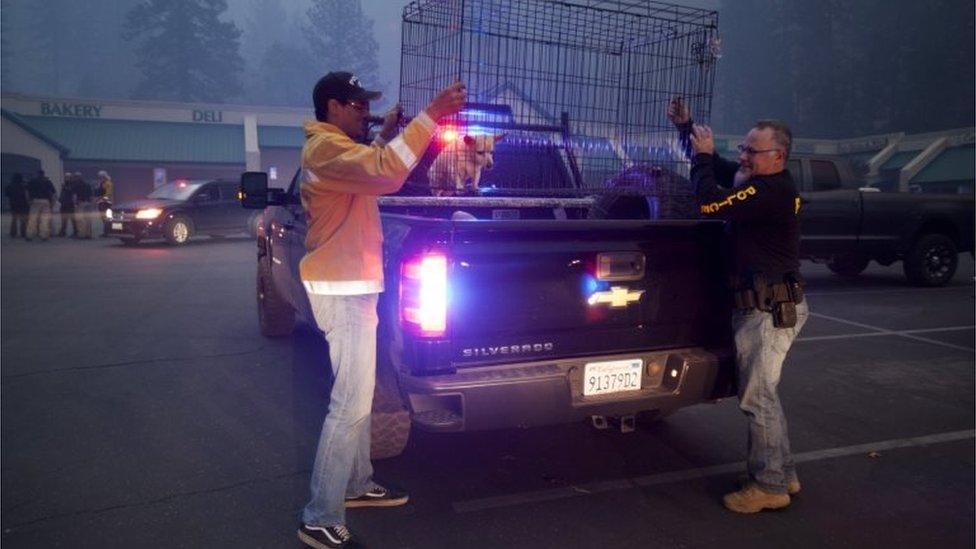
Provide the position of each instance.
(180, 209)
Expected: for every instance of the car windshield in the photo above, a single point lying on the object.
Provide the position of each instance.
(178, 190)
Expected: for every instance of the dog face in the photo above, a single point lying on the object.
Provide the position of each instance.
(460, 163)
(481, 149)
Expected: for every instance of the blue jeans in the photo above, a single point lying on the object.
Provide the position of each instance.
(760, 351)
(342, 467)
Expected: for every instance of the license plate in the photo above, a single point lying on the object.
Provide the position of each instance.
(116, 226)
(601, 378)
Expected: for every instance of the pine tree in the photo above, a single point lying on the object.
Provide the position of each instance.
(278, 67)
(186, 52)
(6, 52)
(288, 76)
(340, 37)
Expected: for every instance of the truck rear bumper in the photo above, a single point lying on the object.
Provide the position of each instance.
(550, 392)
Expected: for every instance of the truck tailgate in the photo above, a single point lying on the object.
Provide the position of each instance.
(526, 290)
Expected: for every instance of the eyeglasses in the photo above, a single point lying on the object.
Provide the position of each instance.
(749, 151)
(361, 107)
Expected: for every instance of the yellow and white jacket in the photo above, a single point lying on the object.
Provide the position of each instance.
(341, 181)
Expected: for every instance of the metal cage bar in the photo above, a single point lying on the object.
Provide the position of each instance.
(580, 88)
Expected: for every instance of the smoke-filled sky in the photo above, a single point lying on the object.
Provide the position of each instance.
(832, 68)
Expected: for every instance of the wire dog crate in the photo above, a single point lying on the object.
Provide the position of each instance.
(579, 88)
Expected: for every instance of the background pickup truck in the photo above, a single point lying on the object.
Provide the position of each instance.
(847, 224)
(521, 322)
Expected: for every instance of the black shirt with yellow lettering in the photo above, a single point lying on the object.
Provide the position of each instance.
(762, 214)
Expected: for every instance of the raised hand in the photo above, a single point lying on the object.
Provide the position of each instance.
(702, 140)
(447, 101)
(390, 120)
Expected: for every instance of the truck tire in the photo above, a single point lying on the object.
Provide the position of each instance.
(390, 421)
(252, 224)
(848, 265)
(932, 260)
(177, 231)
(275, 315)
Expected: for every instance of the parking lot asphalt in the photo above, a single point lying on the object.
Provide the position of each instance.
(140, 407)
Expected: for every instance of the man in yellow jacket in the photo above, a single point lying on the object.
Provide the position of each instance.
(343, 275)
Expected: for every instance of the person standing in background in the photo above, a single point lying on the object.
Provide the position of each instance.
(67, 210)
(83, 206)
(19, 206)
(106, 191)
(41, 192)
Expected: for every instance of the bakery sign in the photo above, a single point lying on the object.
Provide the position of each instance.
(72, 110)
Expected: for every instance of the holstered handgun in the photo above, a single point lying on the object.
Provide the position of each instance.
(784, 314)
(761, 287)
(795, 282)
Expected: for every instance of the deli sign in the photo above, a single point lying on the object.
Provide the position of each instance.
(208, 116)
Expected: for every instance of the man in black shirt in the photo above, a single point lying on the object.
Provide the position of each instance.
(19, 205)
(758, 199)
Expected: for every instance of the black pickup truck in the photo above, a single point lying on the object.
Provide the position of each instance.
(847, 223)
(520, 322)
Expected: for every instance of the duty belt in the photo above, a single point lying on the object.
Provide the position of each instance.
(774, 293)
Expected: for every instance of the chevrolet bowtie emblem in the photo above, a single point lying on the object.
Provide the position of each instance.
(617, 296)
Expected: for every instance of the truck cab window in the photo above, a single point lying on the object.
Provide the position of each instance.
(208, 194)
(825, 176)
(228, 191)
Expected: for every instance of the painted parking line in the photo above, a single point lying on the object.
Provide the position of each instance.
(511, 500)
(889, 291)
(877, 334)
(903, 333)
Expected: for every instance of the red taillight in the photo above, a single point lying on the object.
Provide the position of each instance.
(423, 294)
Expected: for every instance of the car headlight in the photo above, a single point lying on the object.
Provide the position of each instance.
(108, 213)
(149, 213)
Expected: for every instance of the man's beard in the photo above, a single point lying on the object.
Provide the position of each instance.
(741, 176)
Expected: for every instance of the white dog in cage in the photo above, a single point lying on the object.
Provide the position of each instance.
(461, 161)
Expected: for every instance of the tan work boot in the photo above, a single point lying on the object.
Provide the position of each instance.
(792, 486)
(753, 499)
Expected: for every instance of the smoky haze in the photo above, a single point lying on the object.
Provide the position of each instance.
(831, 68)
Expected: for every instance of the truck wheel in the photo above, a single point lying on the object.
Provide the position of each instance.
(390, 421)
(932, 260)
(848, 265)
(177, 231)
(252, 224)
(275, 315)
(390, 425)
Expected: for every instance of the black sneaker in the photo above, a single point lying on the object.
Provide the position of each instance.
(327, 537)
(378, 497)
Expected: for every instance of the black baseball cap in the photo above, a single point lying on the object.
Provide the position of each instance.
(343, 86)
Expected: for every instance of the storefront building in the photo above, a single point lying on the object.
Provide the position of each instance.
(143, 144)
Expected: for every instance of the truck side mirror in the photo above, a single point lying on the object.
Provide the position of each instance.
(253, 192)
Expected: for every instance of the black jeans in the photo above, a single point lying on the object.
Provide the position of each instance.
(18, 219)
